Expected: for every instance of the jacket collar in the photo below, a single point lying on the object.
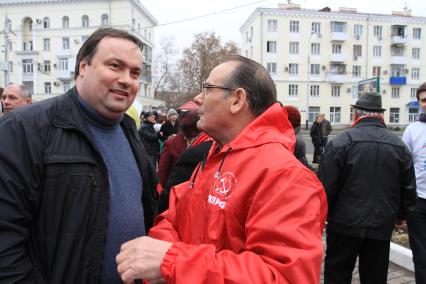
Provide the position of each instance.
(370, 121)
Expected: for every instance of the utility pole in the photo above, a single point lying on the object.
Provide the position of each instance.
(6, 30)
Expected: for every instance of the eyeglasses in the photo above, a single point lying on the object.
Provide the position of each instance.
(212, 86)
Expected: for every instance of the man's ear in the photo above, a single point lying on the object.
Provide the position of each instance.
(82, 67)
(239, 101)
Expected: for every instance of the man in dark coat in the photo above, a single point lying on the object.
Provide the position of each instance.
(316, 138)
(74, 180)
(368, 176)
(150, 138)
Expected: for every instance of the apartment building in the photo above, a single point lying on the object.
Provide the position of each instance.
(317, 58)
(40, 41)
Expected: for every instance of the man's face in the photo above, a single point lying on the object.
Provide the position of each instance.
(12, 98)
(214, 111)
(110, 83)
(422, 101)
(173, 117)
(151, 119)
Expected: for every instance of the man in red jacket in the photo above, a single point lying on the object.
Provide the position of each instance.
(251, 213)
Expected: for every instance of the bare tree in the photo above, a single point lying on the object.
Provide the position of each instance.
(164, 60)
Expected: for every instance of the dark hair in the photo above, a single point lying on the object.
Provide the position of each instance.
(255, 80)
(188, 123)
(89, 47)
(420, 89)
(293, 115)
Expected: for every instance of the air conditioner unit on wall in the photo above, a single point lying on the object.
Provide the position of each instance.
(348, 90)
(56, 84)
(357, 37)
(385, 72)
(286, 69)
(323, 67)
(38, 21)
(384, 91)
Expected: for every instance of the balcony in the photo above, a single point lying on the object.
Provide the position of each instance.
(27, 76)
(26, 52)
(63, 53)
(65, 75)
(398, 80)
(337, 57)
(398, 59)
(339, 36)
(399, 40)
(336, 77)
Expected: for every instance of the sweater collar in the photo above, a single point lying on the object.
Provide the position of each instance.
(94, 118)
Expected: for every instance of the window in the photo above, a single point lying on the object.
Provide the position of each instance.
(293, 90)
(65, 43)
(85, 21)
(395, 93)
(315, 69)
(417, 33)
(377, 51)
(10, 67)
(336, 49)
(104, 20)
(65, 22)
(338, 27)
(413, 114)
(28, 45)
(335, 91)
(358, 31)
(351, 115)
(413, 93)
(377, 71)
(394, 115)
(63, 64)
(315, 90)
(294, 48)
(313, 113)
(271, 46)
(316, 28)
(337, 69)
(356, 71)
(293, 69)
(272, 25)
(378, 30)
(27, 66)
(46, 66)
(67, 86)
(10, 46)
(415, 53)
(397, 51)
(294, 26)
(415, 73)
(272, 67)
(315, 48)
(48, 87)
(398, 70)
(46, 23)
(46, 44)
(335, 114)
(357, 51)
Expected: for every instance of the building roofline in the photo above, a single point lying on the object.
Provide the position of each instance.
(339, 15)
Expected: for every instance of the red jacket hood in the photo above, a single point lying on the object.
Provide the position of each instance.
(272, 126)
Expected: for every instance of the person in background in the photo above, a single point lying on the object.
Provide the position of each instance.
(171, 126)
(74, 180)
(251, 212)
(368, 175)
(150, 138)
(325, 130)
(415, 139)
(316, 137)
(300, 147)
(15, 96)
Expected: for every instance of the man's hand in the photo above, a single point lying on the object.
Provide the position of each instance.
(141, 259)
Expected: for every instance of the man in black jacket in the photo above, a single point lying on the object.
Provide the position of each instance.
(150, 138)
(74, 180)
(368, 176)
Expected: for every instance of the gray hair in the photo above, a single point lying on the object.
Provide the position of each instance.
(361, 112)
(25, 90)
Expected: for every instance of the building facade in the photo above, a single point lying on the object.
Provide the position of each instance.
(317, 58)
(40, 41)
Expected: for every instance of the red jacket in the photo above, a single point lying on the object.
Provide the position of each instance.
(254, 214)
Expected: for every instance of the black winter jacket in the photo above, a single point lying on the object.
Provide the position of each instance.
(149, 138)
(54, 194)
(168, 129)
(315, 133)
(369, 179)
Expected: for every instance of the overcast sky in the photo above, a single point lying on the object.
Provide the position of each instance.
(231, 14)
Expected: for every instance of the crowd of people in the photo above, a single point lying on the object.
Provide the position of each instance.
(218, 194)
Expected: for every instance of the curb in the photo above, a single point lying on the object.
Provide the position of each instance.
(401, 256)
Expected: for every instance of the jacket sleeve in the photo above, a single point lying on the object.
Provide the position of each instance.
(408, 191)
(148, 135)
(21, 169)
(165, 165)
(331, 165)
(283, 241)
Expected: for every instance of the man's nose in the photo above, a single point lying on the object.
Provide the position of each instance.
(198, 99)
(125, 78)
